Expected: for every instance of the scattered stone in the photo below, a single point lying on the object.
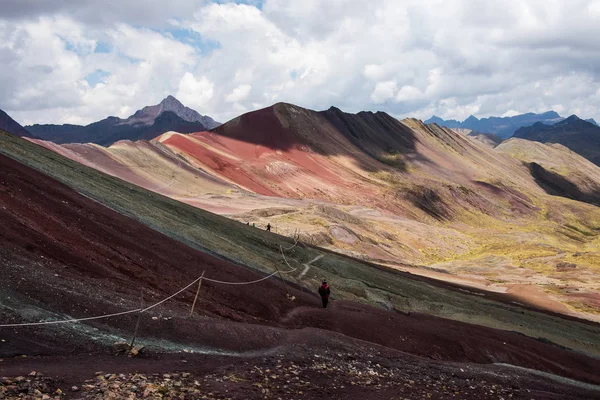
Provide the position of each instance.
(120, 347)
(136, 350)
(565, 266)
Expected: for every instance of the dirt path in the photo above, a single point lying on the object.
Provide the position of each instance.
(63, 255)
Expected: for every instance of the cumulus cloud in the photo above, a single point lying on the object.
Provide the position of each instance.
(195, 92)
(238, 94)
(407, 57)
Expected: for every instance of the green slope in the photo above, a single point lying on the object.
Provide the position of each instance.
(254, 248)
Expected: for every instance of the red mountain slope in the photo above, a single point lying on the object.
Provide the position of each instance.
(64, 255)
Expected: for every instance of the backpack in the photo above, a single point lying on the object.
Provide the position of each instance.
(323, 290)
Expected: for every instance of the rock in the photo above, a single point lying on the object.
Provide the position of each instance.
(136, 350)
(74, 389)
(120, 347)
(565, 266)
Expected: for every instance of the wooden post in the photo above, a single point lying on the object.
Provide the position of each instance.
(197, 293)
(283, 280)
(137, 324)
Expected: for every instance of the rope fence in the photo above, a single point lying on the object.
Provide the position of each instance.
(142, 310)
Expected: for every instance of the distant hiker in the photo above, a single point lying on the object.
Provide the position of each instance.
(248, 223)
(324, 293)
(269, 227)
(253, 225)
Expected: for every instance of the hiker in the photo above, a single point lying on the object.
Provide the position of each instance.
(248, 223)
(324, 293)
(269, 227)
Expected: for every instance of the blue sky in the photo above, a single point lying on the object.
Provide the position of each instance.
(410, 58)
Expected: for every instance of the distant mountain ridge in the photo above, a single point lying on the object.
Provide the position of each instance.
(149, 113)
(147, 123)
(11, 126)
(581, 136)
(503, 127)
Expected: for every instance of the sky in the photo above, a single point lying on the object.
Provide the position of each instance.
(79, 61)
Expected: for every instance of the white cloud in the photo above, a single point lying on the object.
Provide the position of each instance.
(195, 92)
(406, 57)
(408, 93)
(238, 94)
(384, 91)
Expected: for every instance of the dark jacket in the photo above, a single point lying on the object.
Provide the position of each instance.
(324, 291)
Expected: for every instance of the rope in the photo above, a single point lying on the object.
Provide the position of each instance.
(240, 283)
(284, 259)
(141, 310)
(248, 283)
(295, 242)
(170, 297)
(66, 321)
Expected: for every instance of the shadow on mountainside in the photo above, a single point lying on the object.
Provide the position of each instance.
(557, 185)
(63, 254)
(366, 137)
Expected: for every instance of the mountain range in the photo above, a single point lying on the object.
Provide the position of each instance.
(399, 193)
(147, 123)
(503, 127)
(81, 249)
(10, 125)
(468, 255)
(579, 135)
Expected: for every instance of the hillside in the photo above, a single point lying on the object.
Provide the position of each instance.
(416, 197)
(560, 171)
(79, 243)
(144, 124)
(10, 125)
(488, 139)
(503, 127)
(581, 136)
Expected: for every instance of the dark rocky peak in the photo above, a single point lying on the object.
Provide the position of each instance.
(171, 102)
(148, 114)
(574, 122)
(548, 114)
(11, 126)
(570, 119)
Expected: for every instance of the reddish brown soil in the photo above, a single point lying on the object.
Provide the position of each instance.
(258, 142)
(62, 252)
(331, 367)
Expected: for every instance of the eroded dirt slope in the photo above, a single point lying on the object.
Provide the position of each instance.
(64, 255)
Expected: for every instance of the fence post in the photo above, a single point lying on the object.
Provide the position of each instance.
(283, 280)
(197, 293)
(137, 324)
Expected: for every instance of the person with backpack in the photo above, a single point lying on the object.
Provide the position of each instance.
(324, 292)
(269, 227)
